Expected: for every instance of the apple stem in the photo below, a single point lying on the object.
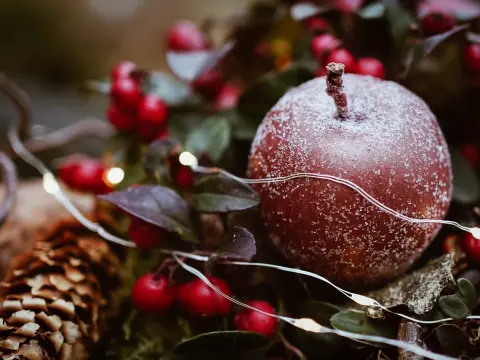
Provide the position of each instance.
(335, 88)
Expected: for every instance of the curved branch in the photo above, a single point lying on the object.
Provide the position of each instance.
(21, 101)
(11, 184)
(87, 127)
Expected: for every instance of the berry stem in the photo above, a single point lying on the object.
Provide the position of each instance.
(335, 88)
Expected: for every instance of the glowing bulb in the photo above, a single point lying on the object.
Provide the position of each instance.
(50, 184)
(476, 233)
(308, 325)
(115, 175)
(188, 159)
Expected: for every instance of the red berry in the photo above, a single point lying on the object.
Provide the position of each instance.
(209, 84)
(344, 57)
(316, 25)
(121, 120)
(348, 6)
(471, 153)
(471, 245)
(84, 175)
(228, 97)
(199, 299)
(163, 134)
(145, 235)
(472, 58)
(152, 115)
(123, 70)
(152, 293)
(126, 93)
(370, 66)
(186, 36)
(321, 44)
(437, 23)
(184, 177)
(251, 320)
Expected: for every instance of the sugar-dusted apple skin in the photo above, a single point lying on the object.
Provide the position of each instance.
(390, 145)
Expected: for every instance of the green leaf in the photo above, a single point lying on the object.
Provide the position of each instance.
(211, 138)
(453, 306)
(399, 20)
(319, 345)
(466, 185)
(232, 345)
(155, 158)
(467, 292)
(243, 128)
(452, 339)
(375, 10)
(259, 98)
(218, 194)
(357, 322)
(171, 90)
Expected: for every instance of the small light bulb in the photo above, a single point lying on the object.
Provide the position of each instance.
(308, 325)
(50, 184)
(115, 175)
(188, 159)
(476, 232)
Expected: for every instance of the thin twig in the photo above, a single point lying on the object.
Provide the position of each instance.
(298, 353)
(22, 102)
(11, 183)
(87, 127)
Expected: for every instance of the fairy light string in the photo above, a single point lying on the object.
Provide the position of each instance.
(52, 186)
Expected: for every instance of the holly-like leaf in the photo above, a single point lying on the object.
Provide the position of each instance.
(357, 322)
(399, 20)
(211, 138)
(319, 345)
(172, 91)
(375, 10)
(218, 194)
(467, 293)
(425, 47)
(233, 345)
(453, 306)
(241, 246)
(258, 99)
(190, 65)
(304, 10)
(420, 290)
(466, 184)
(157, 205)
(452, 339)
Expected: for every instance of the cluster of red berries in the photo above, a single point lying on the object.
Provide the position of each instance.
(185, 36)
(327, 48)
(152, 293)
(131, 109)
(471, 245)
(85, 174)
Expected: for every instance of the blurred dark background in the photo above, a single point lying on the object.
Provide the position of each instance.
(50, 47)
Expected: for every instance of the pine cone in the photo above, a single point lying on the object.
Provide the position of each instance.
(55, 298)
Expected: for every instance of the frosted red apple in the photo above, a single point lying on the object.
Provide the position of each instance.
(388, 142)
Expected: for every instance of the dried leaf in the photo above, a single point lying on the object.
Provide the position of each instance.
(241, 246)
(221, 194)
(157, 205)
(212, 137)
(420, 290)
